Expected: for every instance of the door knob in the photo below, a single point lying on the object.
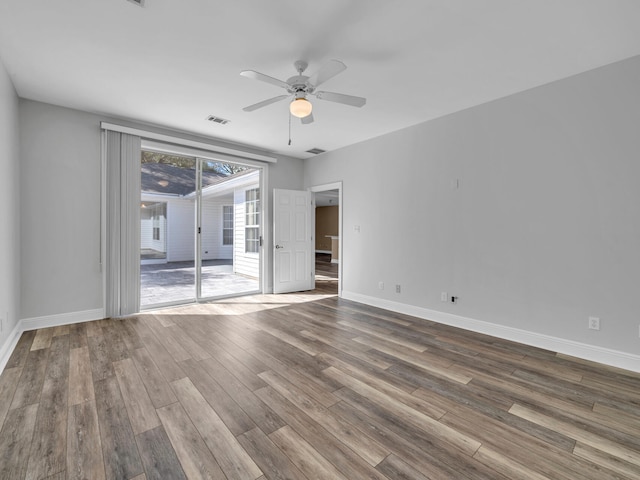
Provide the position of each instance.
(279, 246)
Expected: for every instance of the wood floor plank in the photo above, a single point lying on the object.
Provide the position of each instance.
(195, 350)
(8, 384)
(100, 356)
(354, 349)
(603, 459)
(420, 448)
(21, 351)
(261, 414)
(159, 458)
(84, 448)
(232, 458)
(381, 388)
(48, 448)
(464, 443)
(42, 339)
(120, 454)
(140, 409)
(269, 458)
(506, 466)
(165, 362)
(93, 329)
(128, 334)
(414, 359)
(30, 383)
(15, 441)
(236, 419)
(370, 450)
(587, 438)
(327, 445)
(394, 467)
(60, 330)
(159, 390)
(80, 377)
(163, 335)
(77, 335)
(304, 456)
(383, 334)
(194, 456)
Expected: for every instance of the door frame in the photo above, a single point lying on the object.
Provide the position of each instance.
(199, 156)
(323, 188)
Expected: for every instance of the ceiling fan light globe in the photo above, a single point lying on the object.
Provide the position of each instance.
(300, 107)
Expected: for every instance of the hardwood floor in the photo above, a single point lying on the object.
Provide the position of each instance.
(307, 386)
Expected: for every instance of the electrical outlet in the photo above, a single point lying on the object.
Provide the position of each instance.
(444, 297)
(594, 323)
(398, 288)
(380, 285)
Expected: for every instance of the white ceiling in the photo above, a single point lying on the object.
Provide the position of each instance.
(174, 62)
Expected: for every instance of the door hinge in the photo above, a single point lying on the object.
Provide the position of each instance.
(199, 230)
(260, 240)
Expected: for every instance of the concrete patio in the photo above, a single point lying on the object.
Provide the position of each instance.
(175, 281)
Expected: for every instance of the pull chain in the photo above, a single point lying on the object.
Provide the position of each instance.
(289, 129)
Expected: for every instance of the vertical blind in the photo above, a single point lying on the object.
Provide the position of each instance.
(122, 249)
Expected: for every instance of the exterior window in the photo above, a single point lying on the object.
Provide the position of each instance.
(252, 221)
(227, 225)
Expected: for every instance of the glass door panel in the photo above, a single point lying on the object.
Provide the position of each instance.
(167, 229)
(229, 235)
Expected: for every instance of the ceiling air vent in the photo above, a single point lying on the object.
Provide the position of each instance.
(316, 151)
(214, 119)
(140, 3)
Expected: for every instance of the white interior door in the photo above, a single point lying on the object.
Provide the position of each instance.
(292, 237)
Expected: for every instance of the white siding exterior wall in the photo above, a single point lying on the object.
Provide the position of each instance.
(243, 263)
(180, 230)
(146, 229)
(212, 247)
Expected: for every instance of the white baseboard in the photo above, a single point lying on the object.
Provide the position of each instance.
(61, 319)
(10, 343)
(585, 351)
(27, 324)
(328, 252)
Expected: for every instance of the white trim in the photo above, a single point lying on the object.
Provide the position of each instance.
(27, 324)
(9, 346)
(328, 252)
(592, 353)
(236, 152)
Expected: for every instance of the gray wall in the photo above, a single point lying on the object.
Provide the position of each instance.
(544, 229)
(60, 210)
(9, 207)
(60, 207)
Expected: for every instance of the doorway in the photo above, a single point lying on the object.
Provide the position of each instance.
(328, 237)
(200, 229)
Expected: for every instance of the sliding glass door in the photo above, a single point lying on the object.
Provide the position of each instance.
(200, 229)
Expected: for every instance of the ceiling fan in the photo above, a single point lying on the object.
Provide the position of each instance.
(300, 86)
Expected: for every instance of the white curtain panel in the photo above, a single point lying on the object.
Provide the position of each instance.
(122, 169)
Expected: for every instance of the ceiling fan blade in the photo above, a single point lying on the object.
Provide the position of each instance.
(327, 71)
(264, 78)
(341, 98)
(308, 119)
(264, 103)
